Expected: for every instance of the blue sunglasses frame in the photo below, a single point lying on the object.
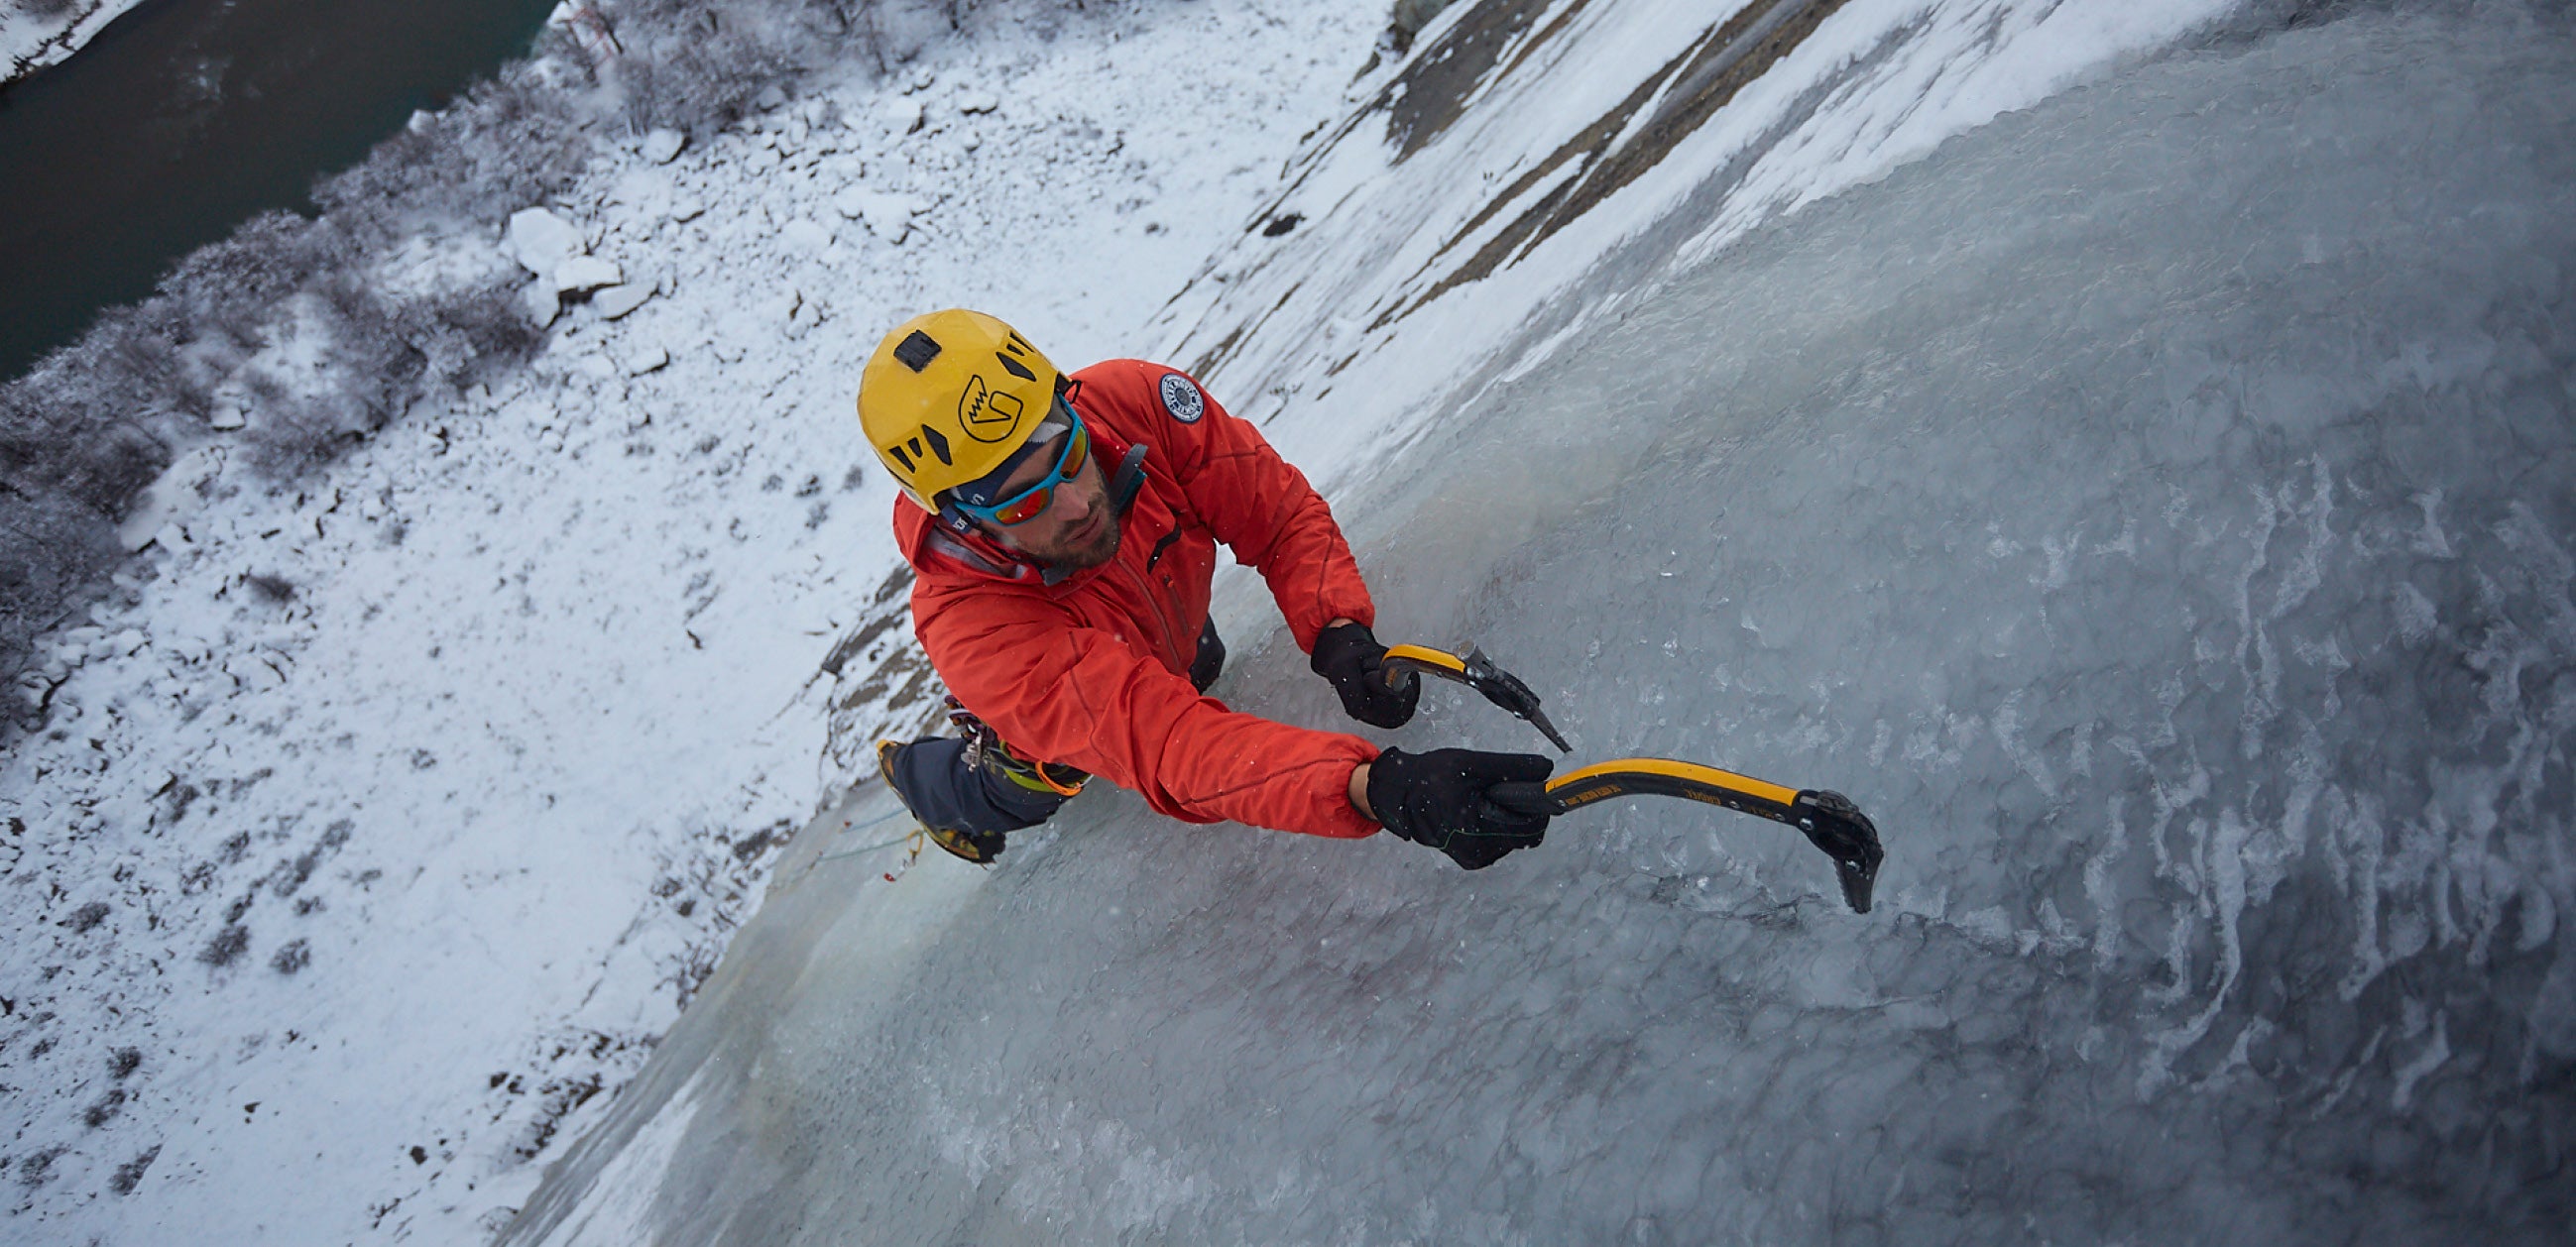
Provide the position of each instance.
(1044, 488)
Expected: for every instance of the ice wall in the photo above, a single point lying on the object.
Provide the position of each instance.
(2154, 507)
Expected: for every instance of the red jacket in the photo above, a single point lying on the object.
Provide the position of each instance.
(1093, 672)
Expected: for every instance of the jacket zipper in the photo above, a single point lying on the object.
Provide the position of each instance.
(1171, 642)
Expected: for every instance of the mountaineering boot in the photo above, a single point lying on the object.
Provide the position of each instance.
(897, 763)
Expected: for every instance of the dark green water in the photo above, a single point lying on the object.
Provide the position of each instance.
(184, 118)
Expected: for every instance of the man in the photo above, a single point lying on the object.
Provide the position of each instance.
(1062, 531)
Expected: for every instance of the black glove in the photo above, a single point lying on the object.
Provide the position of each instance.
(1438, 799)
(1349, 657)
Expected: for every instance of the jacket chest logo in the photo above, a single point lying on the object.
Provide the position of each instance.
(1182, 398)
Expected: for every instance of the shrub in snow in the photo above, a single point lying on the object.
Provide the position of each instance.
(227, 946)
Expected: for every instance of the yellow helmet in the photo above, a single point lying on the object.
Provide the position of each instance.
(947, 397)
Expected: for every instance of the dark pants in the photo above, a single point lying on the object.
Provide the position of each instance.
(942, 791)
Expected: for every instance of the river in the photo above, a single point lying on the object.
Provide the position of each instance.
(185, 118)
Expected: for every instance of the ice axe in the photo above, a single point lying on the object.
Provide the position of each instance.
(1404, 662)
(1829, 819)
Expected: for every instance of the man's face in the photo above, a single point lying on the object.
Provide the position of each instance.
(1076, 530)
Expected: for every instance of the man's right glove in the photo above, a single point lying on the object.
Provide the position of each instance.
(1349, 656)
(1438, 799)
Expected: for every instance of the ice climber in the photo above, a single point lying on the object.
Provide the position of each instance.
(1062, 530)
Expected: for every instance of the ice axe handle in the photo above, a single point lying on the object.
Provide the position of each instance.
(1522, 796)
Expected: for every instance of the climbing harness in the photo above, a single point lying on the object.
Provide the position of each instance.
(986, 750)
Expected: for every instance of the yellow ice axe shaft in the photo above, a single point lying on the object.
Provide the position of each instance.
(1830, 821)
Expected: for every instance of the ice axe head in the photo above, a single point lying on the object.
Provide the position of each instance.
(1475, 671)
(1846, 835)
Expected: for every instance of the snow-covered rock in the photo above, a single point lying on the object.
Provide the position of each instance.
(663, 146)
(616, 301)
(541, 301)
(887, 215)
(585, 273)
(651, 357)
(541, 241)
(972, 102)
(804, 235)
(172, 498)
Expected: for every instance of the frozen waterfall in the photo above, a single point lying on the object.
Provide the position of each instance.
(2157, 508)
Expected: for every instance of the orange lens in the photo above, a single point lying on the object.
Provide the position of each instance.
(1032, 502)
(1024, 508)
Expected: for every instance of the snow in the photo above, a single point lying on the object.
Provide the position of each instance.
(2101, 493)
(410, 806)
(33, 36)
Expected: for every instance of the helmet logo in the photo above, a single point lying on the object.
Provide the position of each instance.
(989, 415)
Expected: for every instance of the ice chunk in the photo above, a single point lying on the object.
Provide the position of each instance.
(971, 102)
(652, 357)
(585, 273)
(904, 114)
(663, 146)
(540, 241)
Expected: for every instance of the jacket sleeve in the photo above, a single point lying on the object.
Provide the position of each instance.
(1086, 697)
(1262, 508)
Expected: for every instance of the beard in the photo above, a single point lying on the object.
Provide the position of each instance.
(1093, 553)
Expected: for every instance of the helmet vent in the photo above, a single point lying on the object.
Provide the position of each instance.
(938, 445)
(904, 457)
(1017, 368)
(916, 352)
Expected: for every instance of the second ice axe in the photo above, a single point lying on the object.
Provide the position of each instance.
(1475, 671)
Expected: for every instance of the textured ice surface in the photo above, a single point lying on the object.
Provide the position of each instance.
(2154, 508)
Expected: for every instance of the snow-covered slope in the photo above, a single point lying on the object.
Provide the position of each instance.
(377, 832)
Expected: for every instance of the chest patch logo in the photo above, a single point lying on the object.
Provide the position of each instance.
(1182, 398)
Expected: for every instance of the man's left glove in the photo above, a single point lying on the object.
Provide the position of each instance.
(1350, 657)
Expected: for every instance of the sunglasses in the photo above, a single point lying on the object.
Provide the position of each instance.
(1032, 502)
